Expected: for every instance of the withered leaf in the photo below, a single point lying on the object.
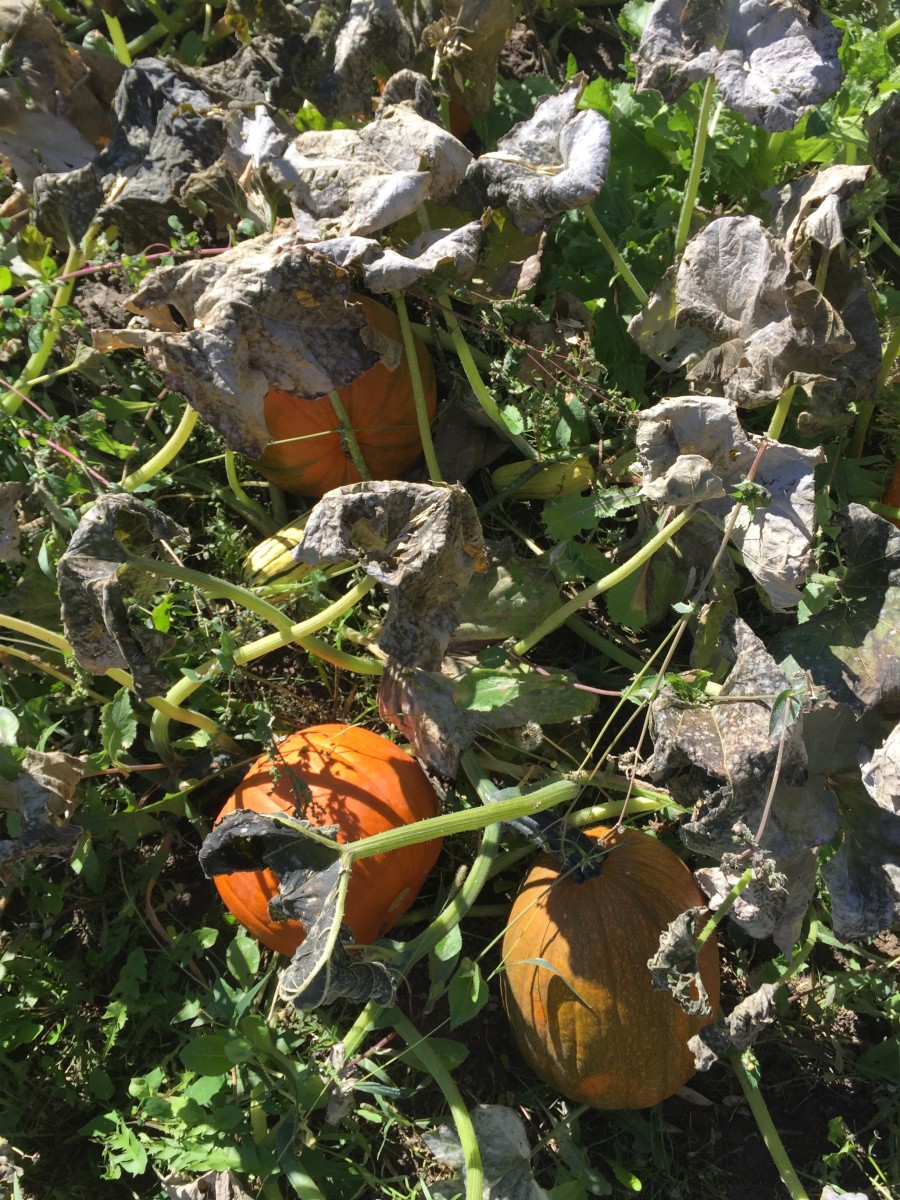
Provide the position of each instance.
(310, 872)
(674, 967)
(505, 1156)
(863, 877)
(43, 798)
(693, 450)
(741, 316)
(555, 161)
(766, 908)
(771, 62)
(852, 649)
(271, 312)
(442, 712)
(740, 1028)
(94, 579)
(720, 757)
(881, 772)
(350, 181)
(422, 543)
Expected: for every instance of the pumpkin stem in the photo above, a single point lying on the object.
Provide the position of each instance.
(582, 857)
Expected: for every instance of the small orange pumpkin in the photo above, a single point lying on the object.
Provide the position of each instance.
(307, 456)
(353, 778)
(576, 986)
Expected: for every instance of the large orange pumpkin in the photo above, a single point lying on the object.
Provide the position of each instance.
(355, 779)
(307, 455)
(576, 986)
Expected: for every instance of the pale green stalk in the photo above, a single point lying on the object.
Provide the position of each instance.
(618, 261)
(724, 908)
(867, 408)
(348, 434)
(779, 416)
(240, 495)
(415, 376)
(476, 383)
(301, 634)
(692, 187)
(563, 613)
(117, 37)
(766, 1127)
(474, 1174)
(169, 451)
(13, 399)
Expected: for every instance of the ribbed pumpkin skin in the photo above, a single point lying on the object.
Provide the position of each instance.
(593, 1027)
(381, 408)
(361, 782)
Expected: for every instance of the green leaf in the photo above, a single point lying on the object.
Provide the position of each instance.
(118, 725)
(451, 1053)
(242, 957)
(206, 1055)
(468, 993)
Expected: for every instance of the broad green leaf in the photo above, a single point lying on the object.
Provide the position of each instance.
(118, 725)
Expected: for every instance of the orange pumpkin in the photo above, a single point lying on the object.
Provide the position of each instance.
(307, 455)
(345, 776)
(577, 990)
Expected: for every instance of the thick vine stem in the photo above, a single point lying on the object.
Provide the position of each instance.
(618, 261)
(562, 614)
(692, 187)
(764, 1123)
(867, 407)
(723, 910)
(476, 383)
(170, 450)
(415, 377)
(239, 494)
(474, 1174)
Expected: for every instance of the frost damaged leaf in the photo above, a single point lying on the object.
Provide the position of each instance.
(694, 451)
(813, 207)
(94, 576)
(720, 757)
(505, 1156)
(742, 317)
(43, 799)
(674, 966)
(547, 165)
(312, 875)
(213, 1185)
(508, 600)
(863, 877)
(740, 1029)
(762, 909)
(422, 543)
(392, 270)
(881, 772)
(771, 62)
(270, 312)
(852, 649)
(351, 181)
(442, 712)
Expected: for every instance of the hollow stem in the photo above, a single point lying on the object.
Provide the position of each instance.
(415, 376)
(169, 451)
(348, 435)
(618, 261)
(779, 416)
(569, 609)
(472, 1168)
(750, 1085)
(692, 187)
(117, 37)
(724, 908)
(235, 484)
(559, 791)
(476, 383)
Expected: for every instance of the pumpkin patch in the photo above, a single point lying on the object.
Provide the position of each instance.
(577, 990)
(350, 777)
